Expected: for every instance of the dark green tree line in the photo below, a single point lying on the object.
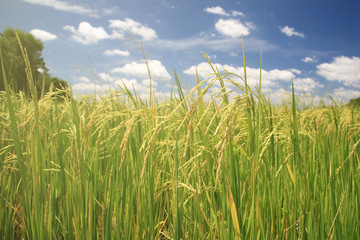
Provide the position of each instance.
(14, 63)
(355, 102)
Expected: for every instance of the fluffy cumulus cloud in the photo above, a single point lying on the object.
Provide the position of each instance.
(306, 84)
(83, 79)
(294, 70)
(146, 82)
(308, 59)
(237, 13)
(269, 77)
(345, 94)
(117, 52)
(343, 69)
(43, 35)
(132, 84)
(84, 87)
(141, 87)
(65, 6)
(289, 31)
(216, 10)
(133, 27)
(136, 69)
(279, 95)
(204, 70)
(87, 34)
(110, 82)
(233, 27)
(220, 11)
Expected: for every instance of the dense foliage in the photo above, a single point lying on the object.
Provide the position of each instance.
(13, 61)
(355, 102)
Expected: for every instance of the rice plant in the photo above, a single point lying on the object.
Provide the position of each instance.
(118, 167)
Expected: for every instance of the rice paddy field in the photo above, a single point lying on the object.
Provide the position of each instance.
(116, 166)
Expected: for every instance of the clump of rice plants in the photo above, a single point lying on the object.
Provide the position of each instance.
(116, 167)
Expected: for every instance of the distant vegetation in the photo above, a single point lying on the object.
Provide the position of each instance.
(13, 61)
(355, 102)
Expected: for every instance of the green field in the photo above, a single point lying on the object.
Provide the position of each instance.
(117, 167)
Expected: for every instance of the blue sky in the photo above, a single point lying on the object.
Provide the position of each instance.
(93, 43)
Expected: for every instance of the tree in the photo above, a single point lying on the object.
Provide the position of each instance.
(355, 102)
(54, 82)
(14, 63)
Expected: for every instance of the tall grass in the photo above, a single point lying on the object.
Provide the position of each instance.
(183, 168)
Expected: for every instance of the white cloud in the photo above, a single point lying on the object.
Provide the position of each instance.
(43, 35)
(117, 35)
(84, 79)
(309, 99)
(146, 82)
(117, 52)
(345, 94)
(160, 96)
(87, 34)
(237, 13)
(108, 82)
(105, 77)
(276, 74)
(64, 6)
(232, 27)
(216, 10)
(131, 84)
(220, 11)
(157, 70)
(84, 87)
(142, 88)
(279, 95)
(289, 31)
(203, 69)
(342, 69)
(294, 70)
(131, 26)
(269, 77)
(308, 59)
(306, 84)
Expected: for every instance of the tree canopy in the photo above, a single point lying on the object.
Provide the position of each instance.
(14, 63)
(355, 102)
